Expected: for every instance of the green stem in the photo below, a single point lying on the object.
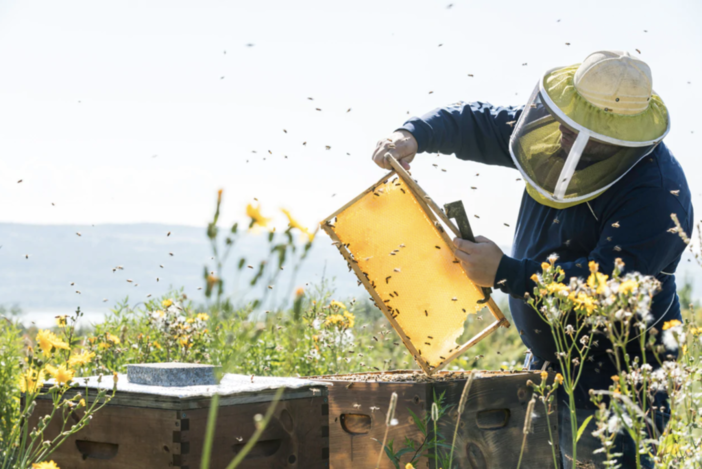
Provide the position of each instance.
(209, 434)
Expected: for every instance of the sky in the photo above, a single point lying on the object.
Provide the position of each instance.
(133, 111)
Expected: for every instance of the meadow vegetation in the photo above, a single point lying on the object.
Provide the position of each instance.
(319, 333)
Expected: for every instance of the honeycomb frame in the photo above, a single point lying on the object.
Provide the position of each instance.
(434, 214)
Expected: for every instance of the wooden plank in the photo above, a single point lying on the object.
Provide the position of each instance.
(357, 421)
(296, 436)
(116, 438)
(154, 401)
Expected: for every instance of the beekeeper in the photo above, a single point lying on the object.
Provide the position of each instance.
(600, 185)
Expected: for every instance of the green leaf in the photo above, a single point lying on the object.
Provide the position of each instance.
(582, 428)
(418, 422)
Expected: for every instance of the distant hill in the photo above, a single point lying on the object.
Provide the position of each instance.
(59, 257)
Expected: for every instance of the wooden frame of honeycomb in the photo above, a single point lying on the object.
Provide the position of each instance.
(430, 296)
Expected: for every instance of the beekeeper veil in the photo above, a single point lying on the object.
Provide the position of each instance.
(585, 126)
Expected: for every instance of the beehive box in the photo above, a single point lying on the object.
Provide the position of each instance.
(490, 432)
(154, 427)
(393, 239)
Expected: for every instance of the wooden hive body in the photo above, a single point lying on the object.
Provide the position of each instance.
(148, 431)
(490, 433)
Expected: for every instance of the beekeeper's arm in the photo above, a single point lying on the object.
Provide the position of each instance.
(636, 230)
(474, 131)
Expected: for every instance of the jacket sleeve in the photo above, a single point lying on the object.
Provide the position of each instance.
(636, 230)
(474, 131)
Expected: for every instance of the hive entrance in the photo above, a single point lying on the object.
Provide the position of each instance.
(392, 239)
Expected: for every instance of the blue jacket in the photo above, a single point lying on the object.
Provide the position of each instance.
(641, 202)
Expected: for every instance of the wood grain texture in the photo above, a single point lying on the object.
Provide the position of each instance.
(490, 431)
(123, 437)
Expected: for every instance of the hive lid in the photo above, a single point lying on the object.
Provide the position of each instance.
(392, 239)
(233, 389)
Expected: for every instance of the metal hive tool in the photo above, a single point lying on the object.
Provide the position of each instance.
(392, 239)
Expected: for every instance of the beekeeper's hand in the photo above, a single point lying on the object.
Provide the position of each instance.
(480, 259)
(401, 145)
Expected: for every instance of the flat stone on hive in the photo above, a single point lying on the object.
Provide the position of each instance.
(171, 374)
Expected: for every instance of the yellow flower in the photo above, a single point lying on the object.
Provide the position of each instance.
(558, 378)
(627, 286)
(82, 359)
(295, 224)
(61, 375)
(31, 380)
(190, 320)
(45, 465)
(545, 266)
(219, 195)
(47, 340)
(696, 331)
(104, 346)
(670, 324)
(338, 304)
(544, 375)
(156, 344)
(597, 280)
(61, 320)
(166, 303)
(409, 466)
(584, 302)
(81, 403)
(212, 280)
(350, 319)
(615, 378)
(300, 291)
(112, 338)
(594, 266)
(534, 278)
(255, 214)
(556, 288)
(203, 316)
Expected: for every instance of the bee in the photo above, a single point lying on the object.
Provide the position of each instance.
(104, 300)
(506, 224)
(78, 233)
(454, 299)
(304, 143)
(426, 313)
(357, 406)
(72, 283)
(556, 220)
(327, 147)
(396, 293)
(250, 266)
(437, 247)
(168, 234)
(479, 318)
(157, 279)
(348, 110)
(149, 295)
(376, 194)
(518, 179)
(171, 254)
(524, 64)
(637, 51)
(435, 165)
(567, 43)
(270, 287)
(456, 261)
(317, 109)
(476, 216)
(129, 280)
(388, 278)
(464, 310)
(392, 253)
(537, 331)
(675, 193)
(78, 292)
(442, 169)
(615, 224)
(430, 337)
(397, 269)
(474, 188)
(470, 75)
(502, 282)
(431, 92)
(443, 358)
(617, 248)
